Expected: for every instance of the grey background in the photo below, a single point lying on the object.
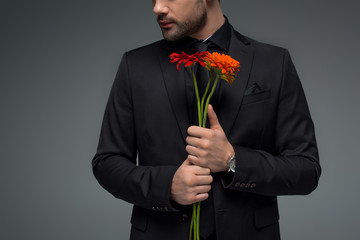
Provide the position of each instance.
(58, 60)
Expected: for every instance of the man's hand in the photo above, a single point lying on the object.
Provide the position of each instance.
(190, 184)
(209, 148)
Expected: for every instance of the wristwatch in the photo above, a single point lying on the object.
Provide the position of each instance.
(231, 164)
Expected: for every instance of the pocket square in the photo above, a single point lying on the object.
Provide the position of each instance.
(254, 88)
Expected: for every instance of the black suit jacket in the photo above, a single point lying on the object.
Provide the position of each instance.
(270, 128)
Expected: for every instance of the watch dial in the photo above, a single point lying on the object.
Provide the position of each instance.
(232, 165)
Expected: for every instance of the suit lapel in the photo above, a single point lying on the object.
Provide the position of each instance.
(231, 96)
(175, 87)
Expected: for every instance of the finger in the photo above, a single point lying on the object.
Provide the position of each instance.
(198, 161)
(187, 162)
(201, 197)
(193, 159)
(193, 141)
(191, 150)
(201, 171)
(201, 189)
(213, 120)
(203, 180)
(196, 131)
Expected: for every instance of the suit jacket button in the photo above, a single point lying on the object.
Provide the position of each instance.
(237, 184)
(184, 217)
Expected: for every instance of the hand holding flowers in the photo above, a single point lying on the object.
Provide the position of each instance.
(209, 148)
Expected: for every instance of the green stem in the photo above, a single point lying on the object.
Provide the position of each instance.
(198, 221)
(197, 96)
(204, 95)
(208, 100)
(192, 224)
(195, 221)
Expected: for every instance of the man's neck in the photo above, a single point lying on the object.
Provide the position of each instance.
(214, 21)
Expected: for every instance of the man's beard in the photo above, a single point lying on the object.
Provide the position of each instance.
(190, 26)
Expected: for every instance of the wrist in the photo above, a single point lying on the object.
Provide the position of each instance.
(230, 161)
(231, 164)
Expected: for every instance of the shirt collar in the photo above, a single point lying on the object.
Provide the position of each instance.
(221, 38)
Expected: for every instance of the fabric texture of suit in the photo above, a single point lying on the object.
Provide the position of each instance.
(264, 115)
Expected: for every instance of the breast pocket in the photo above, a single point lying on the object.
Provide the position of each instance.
(252, 118)
(256, 97)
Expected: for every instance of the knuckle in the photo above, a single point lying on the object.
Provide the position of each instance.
(209, 134)
(191, 191)
(204, 163)
(200, 162)
(190, 181)
(202, 153)
(190, 198)
(205, 144)
(187, 199)
(186, 181)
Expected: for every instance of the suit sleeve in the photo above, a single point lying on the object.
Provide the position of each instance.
(114, 164)
(294, 169)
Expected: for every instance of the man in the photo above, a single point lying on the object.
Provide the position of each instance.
(260, 142)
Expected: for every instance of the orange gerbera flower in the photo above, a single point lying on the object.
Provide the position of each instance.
(224, 63)
(187, 59)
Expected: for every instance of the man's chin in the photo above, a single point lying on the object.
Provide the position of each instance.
(171, 36)
(170, 39)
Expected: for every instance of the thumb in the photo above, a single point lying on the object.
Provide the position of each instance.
(213, 120)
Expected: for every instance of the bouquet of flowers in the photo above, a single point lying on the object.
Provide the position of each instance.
(220, 66)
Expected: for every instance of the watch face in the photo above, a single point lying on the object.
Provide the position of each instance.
(232, 165)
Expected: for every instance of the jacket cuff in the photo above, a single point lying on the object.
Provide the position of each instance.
(160, 196)
(242, 179)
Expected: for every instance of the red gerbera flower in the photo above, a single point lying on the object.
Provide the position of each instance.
(186, 59)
